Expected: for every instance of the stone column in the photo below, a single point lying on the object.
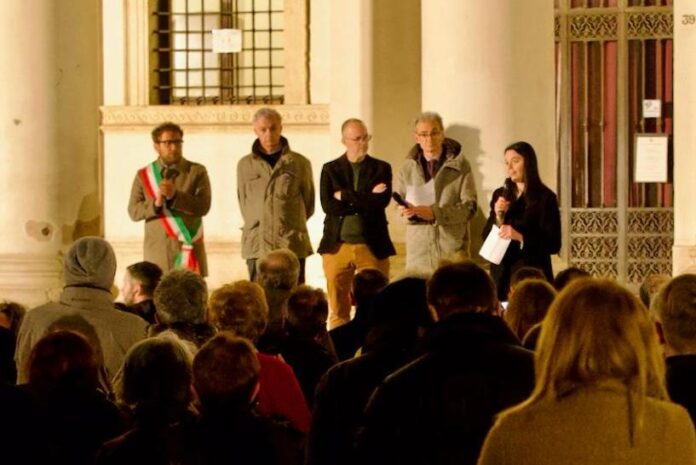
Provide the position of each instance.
(30, 238)
(488, 69)
(351, 66)
(684, 250)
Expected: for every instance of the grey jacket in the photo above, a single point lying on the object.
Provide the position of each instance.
(447, 237)
(275, 202)
(191, 202)
(87, 310)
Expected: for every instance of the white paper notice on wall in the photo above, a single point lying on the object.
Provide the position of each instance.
(227, 40)
(651, 161)
(652, 108)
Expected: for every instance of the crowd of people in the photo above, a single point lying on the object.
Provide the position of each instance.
(447, 364)
(430, 369)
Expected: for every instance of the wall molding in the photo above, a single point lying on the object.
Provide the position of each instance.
(115, 118)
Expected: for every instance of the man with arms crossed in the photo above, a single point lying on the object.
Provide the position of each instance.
(355, 190)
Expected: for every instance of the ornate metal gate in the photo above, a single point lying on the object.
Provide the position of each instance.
(610, 56)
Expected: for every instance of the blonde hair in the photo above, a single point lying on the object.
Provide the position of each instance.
(596, 331)
(241, 308)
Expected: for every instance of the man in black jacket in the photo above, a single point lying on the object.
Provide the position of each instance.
(674, 308)
(355, 190)
(439, 408)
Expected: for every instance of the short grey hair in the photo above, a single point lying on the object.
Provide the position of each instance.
(279, 269)
(352, 121)
(181, 296)
(429, 116)
(269, 113)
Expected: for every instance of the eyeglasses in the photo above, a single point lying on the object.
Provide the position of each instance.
(431, 135)
(365, 138)
(171, 142)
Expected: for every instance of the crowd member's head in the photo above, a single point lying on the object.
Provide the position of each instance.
(279, 269)
(528, 305)
(651, 286)
(521, 162)
(90, 262)
(462, 287)
(241, 308)
(268, 127)
(308, 310)
(157, 378)
(278, 274)
(11, 316)
(366, 284)
(429, 132)
(596, 331)
(564, 277)
(522, 273)
(181, 297)
(140, 281)
(63, 363)
(675, 309)
(399, 315)
(226, 373)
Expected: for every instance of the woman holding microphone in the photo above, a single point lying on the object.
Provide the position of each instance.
(526, 211)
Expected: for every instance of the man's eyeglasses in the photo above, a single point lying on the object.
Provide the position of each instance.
(171, 142)
(365, 138)
(431, 135)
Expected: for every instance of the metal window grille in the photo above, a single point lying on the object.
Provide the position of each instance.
(185, 71)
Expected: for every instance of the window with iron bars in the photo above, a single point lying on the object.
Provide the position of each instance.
(184, 69)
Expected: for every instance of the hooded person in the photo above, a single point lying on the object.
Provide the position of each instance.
(89, 269)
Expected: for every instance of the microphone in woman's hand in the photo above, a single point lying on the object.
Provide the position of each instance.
(508, 190)
(508, 193)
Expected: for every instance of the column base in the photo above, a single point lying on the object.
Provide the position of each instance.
(30, 279)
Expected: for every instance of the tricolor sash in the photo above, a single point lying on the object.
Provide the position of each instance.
(173, 224)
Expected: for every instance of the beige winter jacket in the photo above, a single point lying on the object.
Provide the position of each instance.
(275, 202)
(447, 237)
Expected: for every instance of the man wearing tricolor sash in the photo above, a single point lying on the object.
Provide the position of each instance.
(172, 195)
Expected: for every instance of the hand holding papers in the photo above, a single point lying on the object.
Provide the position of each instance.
(494, 247)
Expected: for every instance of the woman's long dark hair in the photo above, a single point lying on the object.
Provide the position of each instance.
(532, 181)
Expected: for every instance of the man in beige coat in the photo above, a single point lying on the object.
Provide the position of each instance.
(435, 167)
(276, 195)
(172, 195)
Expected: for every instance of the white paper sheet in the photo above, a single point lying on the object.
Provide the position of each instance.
(494, 247)
(421, 195)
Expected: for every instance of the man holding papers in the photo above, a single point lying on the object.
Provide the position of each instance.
(437, 183)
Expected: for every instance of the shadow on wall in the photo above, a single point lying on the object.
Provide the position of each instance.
(470, 138)
(88, 222)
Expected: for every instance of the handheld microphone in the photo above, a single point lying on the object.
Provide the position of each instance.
(400, 200)
(508, 194)
(508, 190)
(169, 173)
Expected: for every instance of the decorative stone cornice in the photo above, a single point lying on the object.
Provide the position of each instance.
(115, 118)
